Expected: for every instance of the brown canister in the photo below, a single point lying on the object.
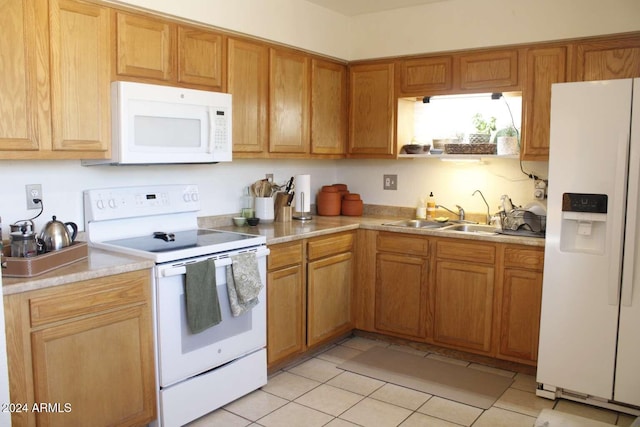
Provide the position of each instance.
(328, 201)
(352, 205)
(342, 189)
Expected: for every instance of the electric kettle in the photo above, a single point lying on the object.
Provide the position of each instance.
(56, 235)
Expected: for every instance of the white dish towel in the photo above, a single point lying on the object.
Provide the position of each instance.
(243, 282)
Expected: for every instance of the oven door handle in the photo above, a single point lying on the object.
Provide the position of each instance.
(222, 262)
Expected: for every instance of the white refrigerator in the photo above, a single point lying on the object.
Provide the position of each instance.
(589, 346)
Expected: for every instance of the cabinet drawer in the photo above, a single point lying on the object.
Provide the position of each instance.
(466, 251)
(403, 244)
(524, 258)
(284, 254)
(324, 246)
(90, 297)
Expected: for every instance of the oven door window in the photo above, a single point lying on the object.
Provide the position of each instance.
(183, 354)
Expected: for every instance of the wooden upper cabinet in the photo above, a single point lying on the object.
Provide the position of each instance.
(372, 110)
(495, 70)
(288, 102)
(328, 107)
(608, 59)
(145, 47)
(200, 57)
(426, 76)
(80, 77)
(545, 66)
(248, 83)
(24, 87)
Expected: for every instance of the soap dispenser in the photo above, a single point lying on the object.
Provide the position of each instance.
(431, 207)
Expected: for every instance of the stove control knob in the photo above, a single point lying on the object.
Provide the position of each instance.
(112, 203)
(100, 204)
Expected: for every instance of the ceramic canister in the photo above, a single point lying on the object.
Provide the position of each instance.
(328, 201)
(352, 205)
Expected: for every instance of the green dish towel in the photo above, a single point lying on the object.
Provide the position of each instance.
(203, 307)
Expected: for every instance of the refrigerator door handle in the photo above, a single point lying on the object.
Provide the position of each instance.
(631, 240)
(613, 289)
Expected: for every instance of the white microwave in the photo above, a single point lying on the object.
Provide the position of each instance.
(153, 124)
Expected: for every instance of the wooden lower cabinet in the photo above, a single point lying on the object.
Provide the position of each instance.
(521, 303)
(85, 350)
(309, 294)
(285, 302)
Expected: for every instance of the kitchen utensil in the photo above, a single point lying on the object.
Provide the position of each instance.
(56, 235)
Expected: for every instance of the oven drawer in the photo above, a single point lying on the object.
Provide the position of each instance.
(89, 297)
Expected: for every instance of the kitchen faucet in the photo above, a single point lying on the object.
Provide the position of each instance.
(485, 202)
(460, 211)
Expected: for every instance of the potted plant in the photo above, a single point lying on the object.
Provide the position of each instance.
(483, 129)
(507, 141)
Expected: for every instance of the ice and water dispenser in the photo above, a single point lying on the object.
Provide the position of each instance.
(584, 223)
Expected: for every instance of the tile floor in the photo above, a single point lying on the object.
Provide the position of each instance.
(315, 392)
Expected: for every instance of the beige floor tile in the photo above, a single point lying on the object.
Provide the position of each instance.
(330, 400)
(364, 344)
(492, 370)
(255, 405)
(450, 411)
(374, 413)
(408, 349)
(523, 402)
(220, 417)
(586, 411)
(525, 382)
(356, 383)
(295, 415)
(447, 359)
(421, 420)
(289, 386)
(496, 417)
(339, 354)
(337, 422)
(400, 396)
(316, 369)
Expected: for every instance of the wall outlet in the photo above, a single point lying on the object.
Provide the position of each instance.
(540, 189)
(34, 191)
(390, 182)
(269, 177)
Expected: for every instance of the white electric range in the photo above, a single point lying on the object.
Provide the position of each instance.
(196, 373)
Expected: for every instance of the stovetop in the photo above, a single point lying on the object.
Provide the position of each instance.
(168, 241)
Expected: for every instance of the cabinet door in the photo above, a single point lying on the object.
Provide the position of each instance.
(401, 294)
(24, 78)
(145, 47)
(371, 111)
(608, 59)
(288, 102)
(328, 107)
(520, 317)
(329, 298)
(463, 304)
(200, 56)
(426, 76)
(490, 70)
(80, 78)
(545, 66)
(285, 313)
(248, 82)
(103, 356)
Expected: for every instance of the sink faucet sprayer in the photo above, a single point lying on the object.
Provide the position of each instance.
(485, 202)
(460, 211)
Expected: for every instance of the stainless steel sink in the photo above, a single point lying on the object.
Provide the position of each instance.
(416, 223)
(472, 228)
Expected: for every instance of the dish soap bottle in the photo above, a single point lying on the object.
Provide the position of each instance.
(431, 207)
(421, 210)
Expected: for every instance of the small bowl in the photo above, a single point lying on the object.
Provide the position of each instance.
(435, 151)
(239, 221)
(253, 221)
(412, 148)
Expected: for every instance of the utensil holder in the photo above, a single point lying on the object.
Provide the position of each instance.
(264, 209)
